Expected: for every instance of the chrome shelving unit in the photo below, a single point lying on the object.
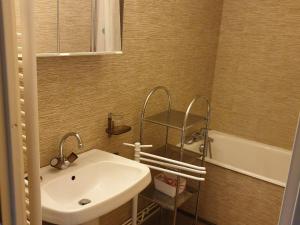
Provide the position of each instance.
(182, 121)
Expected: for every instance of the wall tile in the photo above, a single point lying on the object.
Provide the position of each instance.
(257, 74)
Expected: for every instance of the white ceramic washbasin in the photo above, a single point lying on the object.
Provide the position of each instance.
(107, 180)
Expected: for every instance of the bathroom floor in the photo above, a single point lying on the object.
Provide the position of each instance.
(184, 220)
(181, 220)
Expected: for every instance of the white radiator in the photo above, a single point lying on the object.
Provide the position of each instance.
(29, 112)
(20, 201)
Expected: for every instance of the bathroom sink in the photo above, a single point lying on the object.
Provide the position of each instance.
(96, 183)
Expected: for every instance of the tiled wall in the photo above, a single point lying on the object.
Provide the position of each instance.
(170, 43)
(256, 89)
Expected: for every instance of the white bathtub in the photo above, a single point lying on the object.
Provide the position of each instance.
(265, 162)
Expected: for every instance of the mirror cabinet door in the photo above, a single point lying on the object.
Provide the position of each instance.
(46, 33)
(74, 26)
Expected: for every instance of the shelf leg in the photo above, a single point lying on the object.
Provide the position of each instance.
(197, 204)
(161, 216)
(174, 217)
(141, 130)
(182, 140)
(166, 141)
(134, 209)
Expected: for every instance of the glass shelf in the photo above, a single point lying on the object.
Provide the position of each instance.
(174, 119)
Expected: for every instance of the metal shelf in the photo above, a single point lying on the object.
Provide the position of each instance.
(174, 119)
(181, 121)
(165, 201)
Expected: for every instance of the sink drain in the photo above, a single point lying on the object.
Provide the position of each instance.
(84, 201)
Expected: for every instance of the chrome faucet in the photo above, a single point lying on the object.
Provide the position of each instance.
(200, 136)
(61, 161)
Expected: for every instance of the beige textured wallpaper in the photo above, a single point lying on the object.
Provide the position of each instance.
(170, 43)
(256, 91)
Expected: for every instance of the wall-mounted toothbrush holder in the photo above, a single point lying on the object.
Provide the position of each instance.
(115, 126)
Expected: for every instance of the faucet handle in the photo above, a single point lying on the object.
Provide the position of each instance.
(56, 162)
(72, 157)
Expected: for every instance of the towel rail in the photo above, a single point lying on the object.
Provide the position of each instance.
(173, 161)
(173, 166)
(176, 173)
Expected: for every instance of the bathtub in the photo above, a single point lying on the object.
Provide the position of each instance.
(251, 158)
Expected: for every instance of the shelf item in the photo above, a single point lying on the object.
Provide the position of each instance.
(166, 183)
(165, 201)
(112, 128)
(174, 119)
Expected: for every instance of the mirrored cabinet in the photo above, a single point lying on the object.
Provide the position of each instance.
(78, 27)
